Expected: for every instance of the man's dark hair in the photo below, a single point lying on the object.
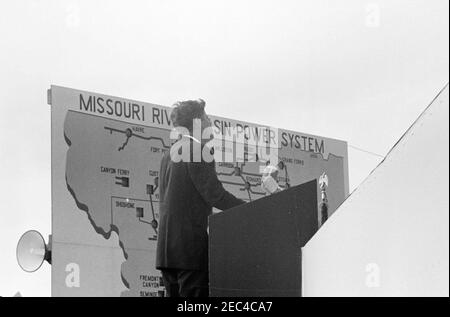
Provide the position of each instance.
(184, 112)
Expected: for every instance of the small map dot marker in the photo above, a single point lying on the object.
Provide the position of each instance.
(128, 133)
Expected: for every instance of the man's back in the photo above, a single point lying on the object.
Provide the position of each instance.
(188, 191)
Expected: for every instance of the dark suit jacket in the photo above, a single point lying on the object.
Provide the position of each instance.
(188, 191)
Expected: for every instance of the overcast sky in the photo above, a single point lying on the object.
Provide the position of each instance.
(360, 71)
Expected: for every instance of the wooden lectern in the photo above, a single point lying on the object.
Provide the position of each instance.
(255, 249)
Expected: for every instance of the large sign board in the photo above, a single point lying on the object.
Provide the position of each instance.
(106, 153)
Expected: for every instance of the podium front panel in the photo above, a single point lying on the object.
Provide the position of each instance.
(255, 249)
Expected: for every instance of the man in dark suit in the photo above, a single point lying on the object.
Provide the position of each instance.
(188, 191)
